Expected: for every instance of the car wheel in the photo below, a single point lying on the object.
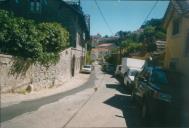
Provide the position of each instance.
(144, 111)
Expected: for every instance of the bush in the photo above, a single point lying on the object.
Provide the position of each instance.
(39, 42)
(54, 38)
(131, 46)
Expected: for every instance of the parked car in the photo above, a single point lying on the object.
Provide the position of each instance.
(131, 63)
(110, 68)
(118, 70)
(107, 67)
(154, 92)
(129, 77)
(87, 69)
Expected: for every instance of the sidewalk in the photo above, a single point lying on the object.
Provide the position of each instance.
(14, 98)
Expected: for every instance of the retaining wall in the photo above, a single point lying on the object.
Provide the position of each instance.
(38, 76)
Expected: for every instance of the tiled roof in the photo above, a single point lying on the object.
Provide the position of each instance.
(182, 6)
(99, 49)
(105, 45)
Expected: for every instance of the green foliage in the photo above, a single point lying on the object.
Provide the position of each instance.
(20, 66)
(153, 22)
(112, 59)
(53, 37)
(30, 40)
(152, 31)
(130, 46)
(88, 57)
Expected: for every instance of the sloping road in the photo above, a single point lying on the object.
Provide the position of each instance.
(10, 112)
(109, 106)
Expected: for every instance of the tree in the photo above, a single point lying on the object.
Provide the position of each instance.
(106, 36)
(152, 31)
(26, 39)
(130, 46)
(148, 38)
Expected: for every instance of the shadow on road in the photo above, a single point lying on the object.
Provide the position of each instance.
(129, 110)
(119, 87)
(131, 113)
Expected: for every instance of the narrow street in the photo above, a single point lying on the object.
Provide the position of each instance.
(94, 63)
(109, 106)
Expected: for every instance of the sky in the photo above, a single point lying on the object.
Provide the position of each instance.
(121, 15)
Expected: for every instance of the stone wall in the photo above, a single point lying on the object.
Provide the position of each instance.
(38, 76)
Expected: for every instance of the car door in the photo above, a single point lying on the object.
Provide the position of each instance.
(140, 84)
(125, 78)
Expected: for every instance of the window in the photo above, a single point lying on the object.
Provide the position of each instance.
(38, 6)
(187, 45)
(35, 6)
(32, 6)
(175, 27)
(173, 63)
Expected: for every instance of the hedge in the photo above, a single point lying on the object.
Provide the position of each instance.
(39, 42)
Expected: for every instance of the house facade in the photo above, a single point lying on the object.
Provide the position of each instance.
(69, 14)
(176, 21)
(102, 50)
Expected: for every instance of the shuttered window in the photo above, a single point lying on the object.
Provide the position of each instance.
(175, 27)
(187, 45)
(35, 6)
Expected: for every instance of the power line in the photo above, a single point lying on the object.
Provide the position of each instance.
(155, 4)
(105, 21)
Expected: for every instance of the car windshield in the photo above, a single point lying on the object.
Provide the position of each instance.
(159, 76)
(132, 72)
(87, 66)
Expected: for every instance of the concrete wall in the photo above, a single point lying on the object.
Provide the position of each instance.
(38, 76)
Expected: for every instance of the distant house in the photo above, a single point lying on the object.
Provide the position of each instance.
(102, 50)
(176, 21)
(69, 15)
(97, 53)
(95, 40)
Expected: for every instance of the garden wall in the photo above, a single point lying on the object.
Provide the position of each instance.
(38, 76)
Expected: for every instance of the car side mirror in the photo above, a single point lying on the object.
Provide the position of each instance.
(143, 79)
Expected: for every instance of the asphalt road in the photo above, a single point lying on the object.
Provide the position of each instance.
(11, 112)
(109, 106)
